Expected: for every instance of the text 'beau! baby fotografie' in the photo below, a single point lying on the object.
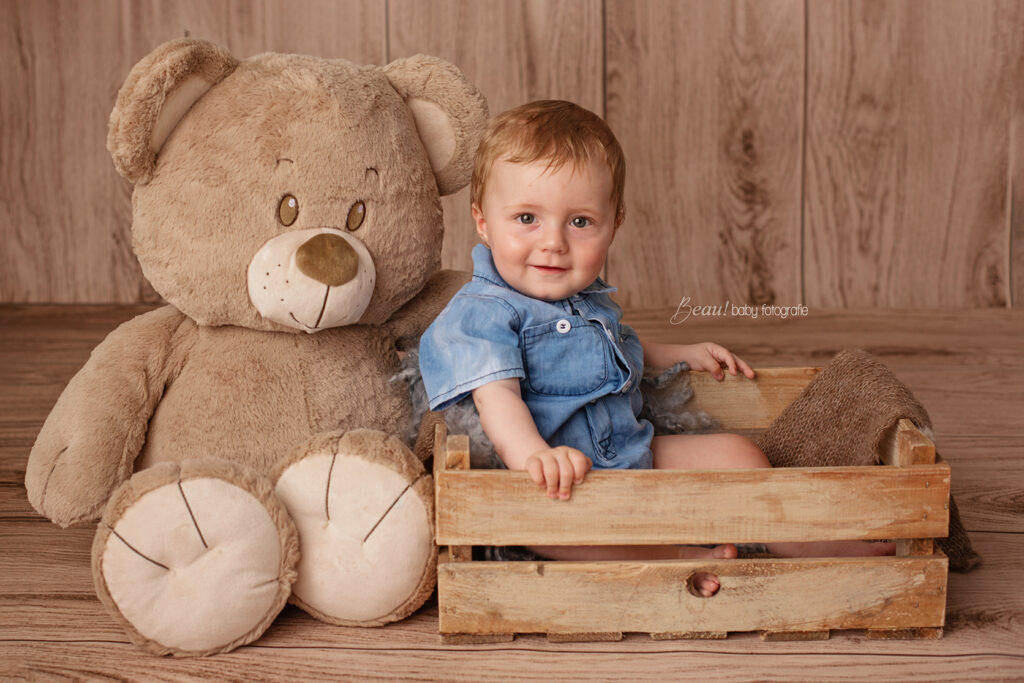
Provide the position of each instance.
(688, 309)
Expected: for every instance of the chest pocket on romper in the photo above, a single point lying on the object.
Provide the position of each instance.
(565, 357)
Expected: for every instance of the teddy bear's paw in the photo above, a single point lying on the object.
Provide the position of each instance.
(196, 558)
(363, 505)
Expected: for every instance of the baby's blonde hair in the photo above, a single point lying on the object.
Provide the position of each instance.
(554, 130)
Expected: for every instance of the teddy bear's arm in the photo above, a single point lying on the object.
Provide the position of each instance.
(409, 322)
(89, 442)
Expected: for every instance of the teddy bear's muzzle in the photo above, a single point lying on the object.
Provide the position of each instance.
(312, 279)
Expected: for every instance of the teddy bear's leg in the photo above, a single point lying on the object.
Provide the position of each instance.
(364, 508)
(195, 558)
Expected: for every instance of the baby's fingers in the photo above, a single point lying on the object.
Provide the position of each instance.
(730, 362)
(580, 464)
(723, 356)
(566, 475)
(715, 367)
(535, 468)
(551, 476)
(747, 370)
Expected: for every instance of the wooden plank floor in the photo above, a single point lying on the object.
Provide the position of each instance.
(967, 368)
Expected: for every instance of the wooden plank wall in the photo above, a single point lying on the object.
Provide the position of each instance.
(837, 153)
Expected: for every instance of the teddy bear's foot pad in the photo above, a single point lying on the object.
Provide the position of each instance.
(363, 507)
(192, 565)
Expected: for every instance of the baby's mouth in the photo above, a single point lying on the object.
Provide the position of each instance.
(550, 269)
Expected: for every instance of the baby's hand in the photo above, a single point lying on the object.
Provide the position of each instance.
(711, 357)
(557, 469)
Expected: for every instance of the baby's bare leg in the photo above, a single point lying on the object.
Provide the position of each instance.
(706, 452)
(732, 451)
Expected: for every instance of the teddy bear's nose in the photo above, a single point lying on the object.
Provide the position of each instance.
(328, 259)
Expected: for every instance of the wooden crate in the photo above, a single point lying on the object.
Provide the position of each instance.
(902, 596)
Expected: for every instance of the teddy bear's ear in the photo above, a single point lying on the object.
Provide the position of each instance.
(158, 92)
(450, 115)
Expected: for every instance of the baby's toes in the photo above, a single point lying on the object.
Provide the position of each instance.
(704, 584)
(726, 551)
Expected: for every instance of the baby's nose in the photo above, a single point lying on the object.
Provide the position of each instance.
(553, 239)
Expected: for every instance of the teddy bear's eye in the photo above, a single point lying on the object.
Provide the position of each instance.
(355, 216)
(288, 210)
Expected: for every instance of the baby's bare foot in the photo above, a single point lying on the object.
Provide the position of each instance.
(706, 584)
(703, 584)
(726, 551)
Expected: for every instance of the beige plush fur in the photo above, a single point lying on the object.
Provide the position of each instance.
(217, 147)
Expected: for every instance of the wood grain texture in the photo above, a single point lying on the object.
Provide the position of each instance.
(982, 617)
(515, 52)
(784, 636)
(707, 99)
(652, 507)
(737, 402)
(1016, 189)
(66, 214)
(988, 475)
(95, 660)
(914, 153)
(909, 447)
(908, 148)
(926, 351)
(51, 624)
(451, 453)
(970, 340)
(774, 595)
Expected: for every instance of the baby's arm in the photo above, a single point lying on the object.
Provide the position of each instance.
(510, 427)
(706, 356)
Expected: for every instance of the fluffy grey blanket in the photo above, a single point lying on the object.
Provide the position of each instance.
(665, 396)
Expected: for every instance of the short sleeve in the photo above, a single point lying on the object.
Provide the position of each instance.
(474, 341)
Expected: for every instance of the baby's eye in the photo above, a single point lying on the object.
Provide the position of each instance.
(580, 222)
(526, 218)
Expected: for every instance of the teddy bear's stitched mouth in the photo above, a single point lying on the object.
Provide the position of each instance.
(300, 322)
(323, 307)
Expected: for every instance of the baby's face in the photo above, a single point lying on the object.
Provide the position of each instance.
(549, 231)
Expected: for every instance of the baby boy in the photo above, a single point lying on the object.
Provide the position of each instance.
(535, 337)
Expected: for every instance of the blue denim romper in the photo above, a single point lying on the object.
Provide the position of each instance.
(579, 367)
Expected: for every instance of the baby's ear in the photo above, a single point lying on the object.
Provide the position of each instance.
(449, 112)
(481, 224)
(155, 97)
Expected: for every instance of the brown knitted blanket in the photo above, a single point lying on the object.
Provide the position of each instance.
(844, 417)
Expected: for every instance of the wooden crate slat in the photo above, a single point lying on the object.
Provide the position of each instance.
(908, 446)
(498, 507)
(690, 635)
(791, 636)
(451, 453)
(741, 403)
(756, 595)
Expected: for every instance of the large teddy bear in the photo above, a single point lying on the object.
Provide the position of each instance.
(238, 459)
